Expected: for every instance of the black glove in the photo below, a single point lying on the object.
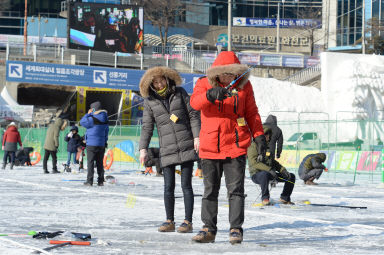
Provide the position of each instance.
(45, 235)
(286, 175)
(261, 144)
(217, 93)
(269, 161)
(273, 173)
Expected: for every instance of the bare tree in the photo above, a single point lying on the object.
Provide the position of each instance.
(162, 14)
(313, 14)
(374, 38)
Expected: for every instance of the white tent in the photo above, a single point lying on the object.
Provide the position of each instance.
(10, 110)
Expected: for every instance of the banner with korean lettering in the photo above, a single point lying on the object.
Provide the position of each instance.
(290, 23)
(85, 76)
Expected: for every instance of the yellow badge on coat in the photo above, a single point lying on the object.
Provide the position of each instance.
(174, 118)
(241, 122)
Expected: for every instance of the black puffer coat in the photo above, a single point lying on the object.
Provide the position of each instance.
(277, 136)
(176, 138)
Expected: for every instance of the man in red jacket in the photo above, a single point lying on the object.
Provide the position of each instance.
(229, 122)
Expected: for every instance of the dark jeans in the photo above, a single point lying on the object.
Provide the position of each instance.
(263, 177)
(9, 154)
(312, 173)
(186, 186)
(95, 153)
(234, 171)
(54, 160)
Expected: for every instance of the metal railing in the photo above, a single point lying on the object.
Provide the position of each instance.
(306, 75)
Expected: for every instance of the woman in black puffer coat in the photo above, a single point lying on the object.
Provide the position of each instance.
(166, 104)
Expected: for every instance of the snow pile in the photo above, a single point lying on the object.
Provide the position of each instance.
(272, 95)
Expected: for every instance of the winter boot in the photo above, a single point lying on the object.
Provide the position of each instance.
(185, 227)
(266, 202)
(168, 226)
(286, 202)
(11, 167)
(310, 181)
(54, 171)
(235, 236)
(3, 167)
(204, 236)
(87, 184)
(46, 171)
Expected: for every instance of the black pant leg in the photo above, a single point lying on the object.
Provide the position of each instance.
(288, 188)
(212, 172)
(186, 186)
(91, 154)
(45, 160)
(262, 178)
(169, 191)
(234, 170)
(54, 160)
(99, 164)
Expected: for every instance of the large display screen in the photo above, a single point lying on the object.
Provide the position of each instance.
(106, 27)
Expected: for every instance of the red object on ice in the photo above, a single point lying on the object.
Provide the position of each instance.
(71, 242)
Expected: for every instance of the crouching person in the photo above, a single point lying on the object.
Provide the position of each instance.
(264, 171)
(312, 167)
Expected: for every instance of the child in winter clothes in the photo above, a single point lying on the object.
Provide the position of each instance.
(10, 139)
(73, 139)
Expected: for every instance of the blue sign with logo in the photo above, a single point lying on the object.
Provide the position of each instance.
(222, 39)
(87, 76)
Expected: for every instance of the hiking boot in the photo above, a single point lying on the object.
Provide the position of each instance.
(285, 202)
(310, 181)
(185, 227)
(54, 171)
(235, 236)
(11, 166)
(266, 202)
(46, 171)
(100, 184)
(87, 184)
(204, 236)
(168, 226)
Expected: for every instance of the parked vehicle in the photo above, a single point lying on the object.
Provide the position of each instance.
(303, 141)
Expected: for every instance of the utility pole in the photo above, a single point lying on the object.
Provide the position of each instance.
(278, 29)
(25, 28)
(229, 25)
(363, 30)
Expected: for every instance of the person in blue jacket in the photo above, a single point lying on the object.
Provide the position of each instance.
(73, 140)
(96, 137)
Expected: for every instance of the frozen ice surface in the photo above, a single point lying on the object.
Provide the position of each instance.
(123, 218)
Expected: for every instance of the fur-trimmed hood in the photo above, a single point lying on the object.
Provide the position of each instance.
(146, 80)
(227, 62)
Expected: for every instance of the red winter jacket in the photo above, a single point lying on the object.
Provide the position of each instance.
(11, 138)
(221, 134)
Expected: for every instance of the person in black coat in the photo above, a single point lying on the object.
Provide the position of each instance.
(312, 167)
(22, 156)
(73, 139)
(276, 138)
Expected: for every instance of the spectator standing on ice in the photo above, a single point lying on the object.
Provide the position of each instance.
(73, 140)
(51, 144)
(312, 167)
(276, 137)
(96, 138)
(228, 125)
(166, 104)
(269, 170)
(11, 138)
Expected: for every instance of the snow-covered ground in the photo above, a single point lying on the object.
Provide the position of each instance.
(123, 218)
